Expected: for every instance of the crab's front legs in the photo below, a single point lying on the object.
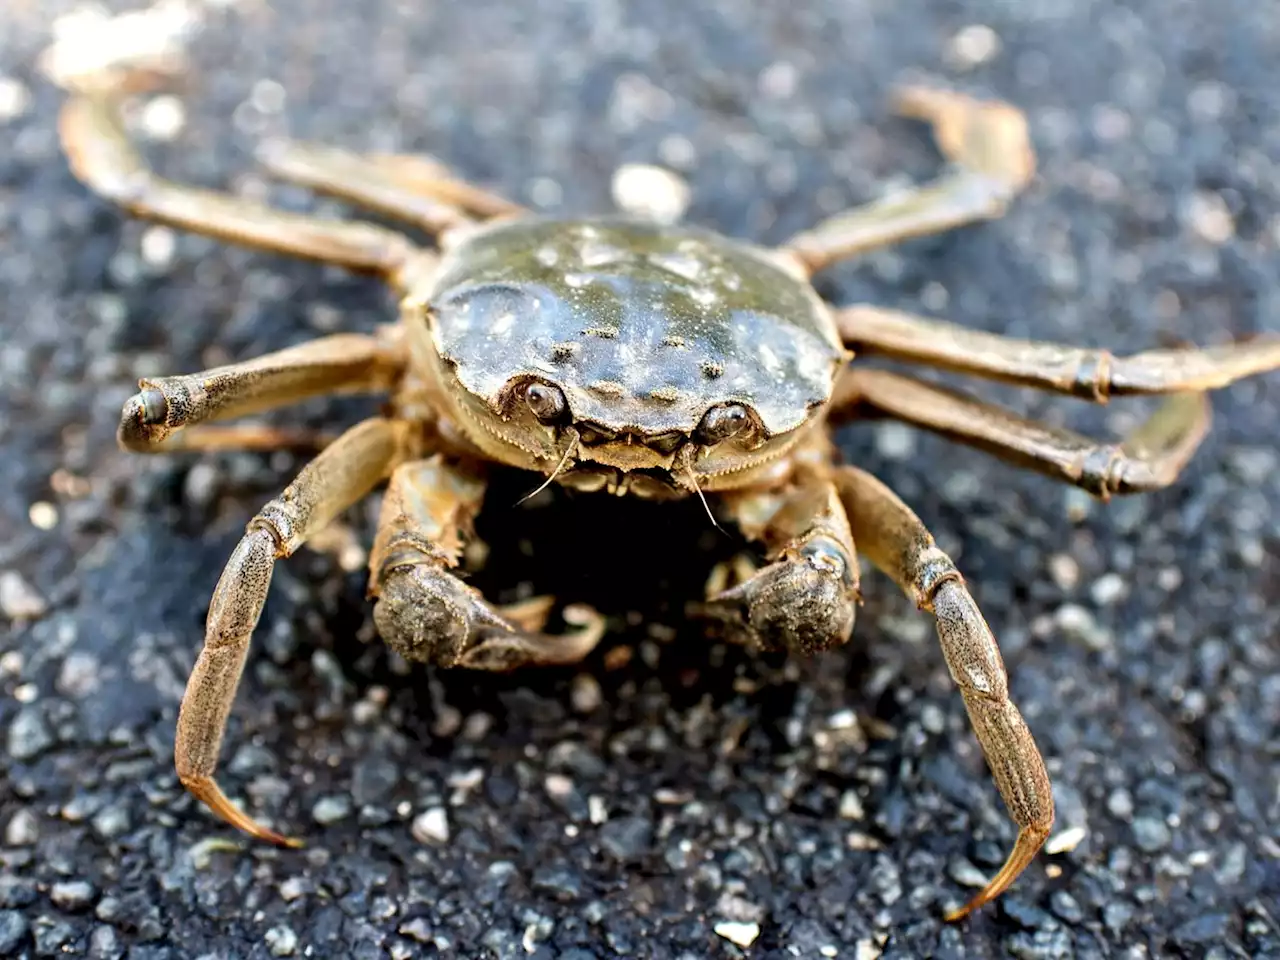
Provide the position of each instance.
(805, 599)
(894, 539)
(342, 474)
(426, 613)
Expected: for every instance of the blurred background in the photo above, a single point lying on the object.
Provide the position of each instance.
(673, 797)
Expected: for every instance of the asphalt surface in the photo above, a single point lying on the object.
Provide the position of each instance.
(633, 807)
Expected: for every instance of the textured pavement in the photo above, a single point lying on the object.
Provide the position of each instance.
(636, 806)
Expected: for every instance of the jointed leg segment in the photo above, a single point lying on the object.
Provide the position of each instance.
(989, 145)
(1152, 457)
(892, 537)
(1079, 371)
(340, 476)
(342, 363)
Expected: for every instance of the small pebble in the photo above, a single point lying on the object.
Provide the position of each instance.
(1120, 804)
(851, 807)
(1151, 834)
(43, 515)
(29, 735)
(1064, 841)
(585, 693)
(15, 99)
(281, 941)
(13, 931)
(18, 599)
(965, 873)
(1079, 624)
(329, 810)
(973, 45)
(1064, 570)
(22, 830)
(743, 934)
(72, 894)
(1108, 589)
(111, 822)
(652, 192)
(431, 826)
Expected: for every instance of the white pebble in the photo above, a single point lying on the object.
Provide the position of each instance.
(1108, 589)
(158, 245)
(1064, 570)
(1209, 218)
(15, 98)
(975, 44)
(1066, 840)
(647, 191)
(163, 118)
(18, 599)
(431, 826)
(743, 934)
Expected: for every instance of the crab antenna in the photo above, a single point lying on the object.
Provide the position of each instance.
(693, 480)
(573, 447)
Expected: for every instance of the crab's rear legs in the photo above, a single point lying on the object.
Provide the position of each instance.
(101, 155)
(342, 363)
(892, 537)
(418, 190)
(1090, 374)
(1149, 458)
(425, 612)
(987, 142)
(340, 476)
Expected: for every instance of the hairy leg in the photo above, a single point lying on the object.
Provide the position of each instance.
(342, 363)
(424, 612)
(100, 154)
(892, 537)
(340, 476)
(991, 153)
(1150, 458)
(805, 599)
(1079, 371)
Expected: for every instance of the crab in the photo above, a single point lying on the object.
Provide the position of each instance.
(634, 357)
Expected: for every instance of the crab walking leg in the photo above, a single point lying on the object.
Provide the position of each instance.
(339, 477)
(425, 612)
(805, 600)
(1092, 374)
(342, 363)
(101, 156)
(988, 144)
(1148, 459)
(241, 436)
(417, 190)
(893, 538)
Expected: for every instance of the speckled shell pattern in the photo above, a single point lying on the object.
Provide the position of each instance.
(644, 327)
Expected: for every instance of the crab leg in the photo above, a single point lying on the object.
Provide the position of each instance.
(425, 612)
(805, 599)
(1150, 458)
(335, 480)
(892, 537)
(100, 155)
(1079, 371)
(342, 363)
(418, 190)
(988, 143)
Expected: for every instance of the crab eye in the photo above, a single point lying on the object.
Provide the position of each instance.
(721, 423)
(547, 402)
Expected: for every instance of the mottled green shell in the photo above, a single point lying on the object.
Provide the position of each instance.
(644, 327)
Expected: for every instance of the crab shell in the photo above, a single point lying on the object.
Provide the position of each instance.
(643, 327)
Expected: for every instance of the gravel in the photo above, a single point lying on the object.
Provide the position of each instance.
(693, 788)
